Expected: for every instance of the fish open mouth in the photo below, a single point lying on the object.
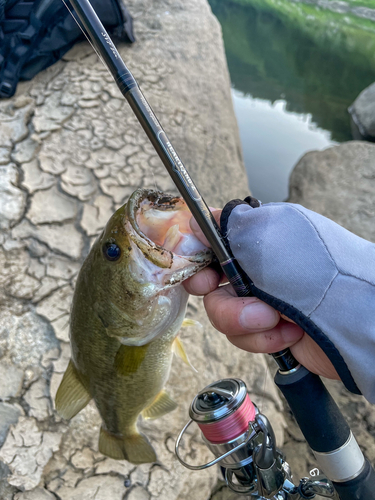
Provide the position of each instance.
(161, 230)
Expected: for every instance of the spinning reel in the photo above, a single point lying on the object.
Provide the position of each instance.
(243, 442)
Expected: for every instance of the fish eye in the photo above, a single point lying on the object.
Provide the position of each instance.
(111, 251)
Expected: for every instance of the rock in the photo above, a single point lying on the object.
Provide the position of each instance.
(18, 330)
(108, 465)
(141, 475)
(37, 397)
(65, 239)
(98, 487)
(84, 459)
(10, 381)
(339, 183)
(37, 494)
(4, 155)
(34, 178)
(78, 181)
(362, 112)
(8, 415)
(12, 199)
(51, 115)
(138, 493)
(46, 286)
(51, 206)
(26, 451)
(95, 216)
(51, 164)
(56, 304)
(24, 287)
(25, 151)
(36, 269)
(61, 328)
(60, 267)
(13, 121)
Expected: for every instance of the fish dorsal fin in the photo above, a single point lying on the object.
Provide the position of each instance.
(160, 406)
(71, 396)
(179, 350)
(129, 358)
(192, 322)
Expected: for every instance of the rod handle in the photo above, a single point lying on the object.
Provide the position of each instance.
(328, 434)
(321, 422)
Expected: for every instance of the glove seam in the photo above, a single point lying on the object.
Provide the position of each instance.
(318, 233)
(325, 293)
(356, 277)
(339, 270)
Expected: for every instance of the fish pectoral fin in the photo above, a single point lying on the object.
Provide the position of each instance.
(71, 396)
(129, 358)
(134, 448)
(179, 351)
(160, 406)
(192, 322)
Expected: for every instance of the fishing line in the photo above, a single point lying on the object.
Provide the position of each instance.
(153, 175)
(87, 37)
(262, 398)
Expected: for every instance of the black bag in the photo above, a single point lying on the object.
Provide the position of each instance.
(36, 33)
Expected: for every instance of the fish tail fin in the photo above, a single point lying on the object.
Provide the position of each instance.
(134, 448)
(71, 396)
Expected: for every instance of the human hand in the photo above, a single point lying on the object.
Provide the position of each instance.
(253, 325)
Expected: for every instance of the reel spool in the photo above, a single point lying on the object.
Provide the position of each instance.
(241, 438)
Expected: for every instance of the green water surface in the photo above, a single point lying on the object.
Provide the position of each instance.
(315, 60)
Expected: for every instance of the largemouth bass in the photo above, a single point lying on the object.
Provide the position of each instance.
(128, 307)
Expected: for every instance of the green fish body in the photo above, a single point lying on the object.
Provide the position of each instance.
(128, 308)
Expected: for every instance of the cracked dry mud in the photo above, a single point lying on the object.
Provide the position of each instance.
(71, 152)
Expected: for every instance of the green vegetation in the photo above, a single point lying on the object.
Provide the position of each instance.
(315, 59)
(345, 31)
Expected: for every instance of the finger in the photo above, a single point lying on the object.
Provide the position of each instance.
(234, 315)
(216, 212)
(283, 335)
(203, 282)
(287, 334)
(310, 355)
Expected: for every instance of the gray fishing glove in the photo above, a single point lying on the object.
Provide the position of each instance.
(316, 273)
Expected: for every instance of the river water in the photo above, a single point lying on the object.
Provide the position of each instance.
(291, 87)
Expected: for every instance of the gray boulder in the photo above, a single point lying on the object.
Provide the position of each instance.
(339, 183)
(362, 113)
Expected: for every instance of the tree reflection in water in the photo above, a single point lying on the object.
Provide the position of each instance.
(316, 66)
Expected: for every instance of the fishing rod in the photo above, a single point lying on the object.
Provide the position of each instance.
(318, 416)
